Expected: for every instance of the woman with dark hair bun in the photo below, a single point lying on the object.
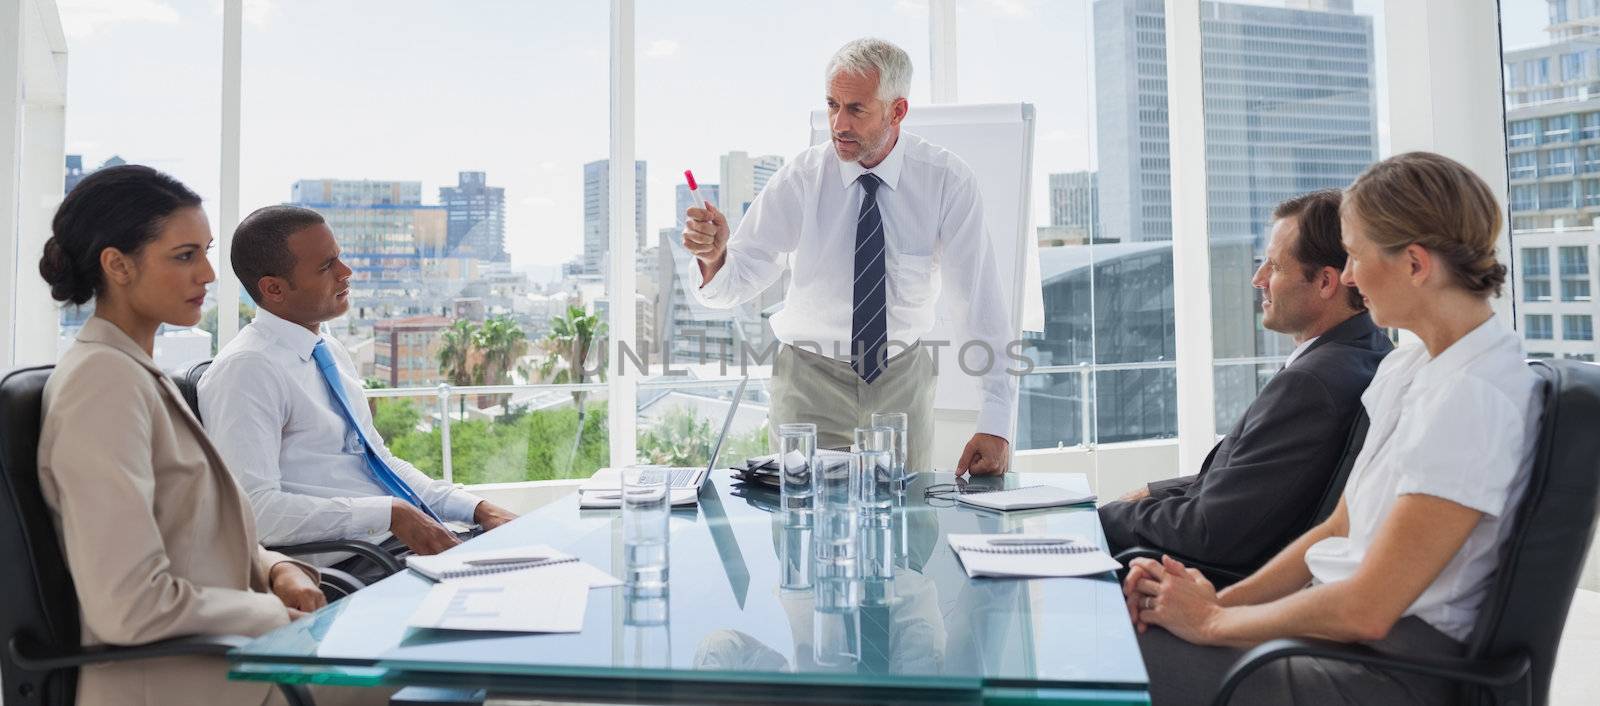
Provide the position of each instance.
(157, 536)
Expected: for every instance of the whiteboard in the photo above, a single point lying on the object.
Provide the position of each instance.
(996, 141)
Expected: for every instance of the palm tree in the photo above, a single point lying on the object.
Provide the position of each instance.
(567, 347)
(459, 358)
(499, 342)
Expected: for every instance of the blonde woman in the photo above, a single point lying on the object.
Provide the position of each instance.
(1407, 557)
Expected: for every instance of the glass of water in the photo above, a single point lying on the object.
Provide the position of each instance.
(797, 450)
(873, 468)
(834, 539)
(898, 422)
(646, 511)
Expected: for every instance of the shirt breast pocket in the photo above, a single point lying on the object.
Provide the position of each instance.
(912, 278)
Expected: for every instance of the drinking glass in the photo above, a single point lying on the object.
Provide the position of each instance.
(834, 541)
(897, 422)
(872, 462)
(794, 549)
(797, 450)
(646, 511)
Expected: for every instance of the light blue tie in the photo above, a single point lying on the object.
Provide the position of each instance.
(381, 472)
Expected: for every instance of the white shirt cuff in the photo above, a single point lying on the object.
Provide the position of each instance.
(460, 506)
(713, 290)
(370, 515)
(995, 419)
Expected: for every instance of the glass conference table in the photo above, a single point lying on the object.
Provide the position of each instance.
(743, 624)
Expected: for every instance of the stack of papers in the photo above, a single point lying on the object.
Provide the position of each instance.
(1025, 498)
(1030, 555)
(548, 595)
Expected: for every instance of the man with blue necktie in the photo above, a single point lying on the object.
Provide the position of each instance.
(865, 223)
(283, 403)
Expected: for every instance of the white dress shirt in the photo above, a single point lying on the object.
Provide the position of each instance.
(271, 415)
(1460, 427)
(805, 219)
(1299, 350)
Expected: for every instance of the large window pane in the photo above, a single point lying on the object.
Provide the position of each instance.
(1095, 73)
(166, 114)
(449, 159)
(1291, 94)
(1552, 221)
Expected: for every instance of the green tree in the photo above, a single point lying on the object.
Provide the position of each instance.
(533, 446)
(678, 438)
(572, 339)
(499, 343)
(395, 418)
(458, 357)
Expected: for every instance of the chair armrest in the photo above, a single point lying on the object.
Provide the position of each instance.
(366, 550)
(1500, 675)
(34, 657)
(1220, 576)
(337, 584)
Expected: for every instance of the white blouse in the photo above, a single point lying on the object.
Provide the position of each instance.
(1460, 427)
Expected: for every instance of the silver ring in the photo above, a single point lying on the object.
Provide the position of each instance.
(1149, 602)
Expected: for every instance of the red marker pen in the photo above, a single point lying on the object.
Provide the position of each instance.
(694, 189)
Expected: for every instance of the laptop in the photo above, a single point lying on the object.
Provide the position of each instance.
(682, 477)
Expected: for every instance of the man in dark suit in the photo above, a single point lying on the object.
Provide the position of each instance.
(1261, 484)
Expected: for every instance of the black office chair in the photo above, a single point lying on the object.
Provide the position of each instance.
(1513, 645)
(39, 616)
(188, 382)
(1223, 576)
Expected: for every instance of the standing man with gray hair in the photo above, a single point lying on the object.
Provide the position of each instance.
(866, 223)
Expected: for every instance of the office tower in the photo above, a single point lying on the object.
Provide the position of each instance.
(743, 177)
(476, 214)
(1553, 156)
(385, 231)
(1289, 108)
(597, 212)
(1074, 206)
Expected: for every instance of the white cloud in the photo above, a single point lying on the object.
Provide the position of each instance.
(82, 18)
(661, 48)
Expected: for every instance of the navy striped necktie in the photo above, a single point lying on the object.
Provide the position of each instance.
(869, 324)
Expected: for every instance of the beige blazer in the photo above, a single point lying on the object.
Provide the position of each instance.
(160, 541)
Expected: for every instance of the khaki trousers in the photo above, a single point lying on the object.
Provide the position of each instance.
(807, 387)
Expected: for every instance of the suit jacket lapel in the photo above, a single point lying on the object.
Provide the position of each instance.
(1358, 326)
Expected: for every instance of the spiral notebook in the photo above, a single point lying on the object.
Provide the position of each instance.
(456, 565)
(1030, 555)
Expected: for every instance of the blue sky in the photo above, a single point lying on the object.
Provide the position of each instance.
(418, 90)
